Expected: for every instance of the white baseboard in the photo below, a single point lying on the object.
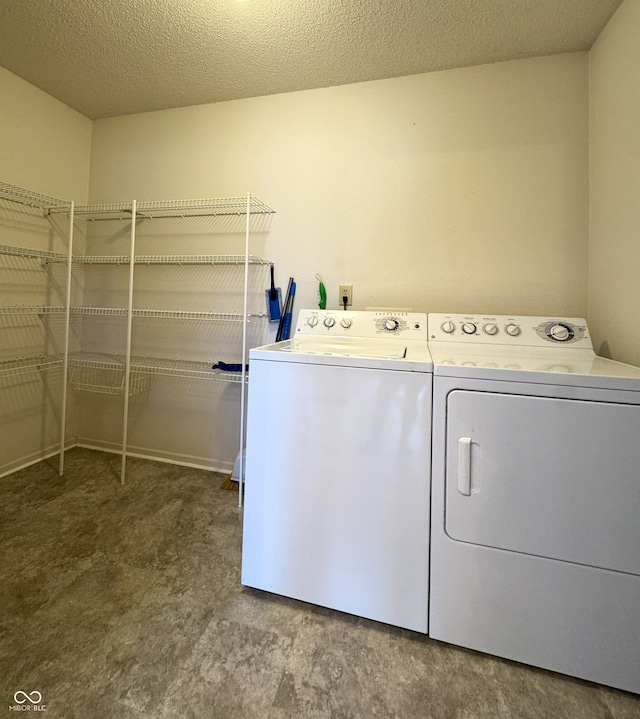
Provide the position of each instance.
(33, 458)
(184, 460)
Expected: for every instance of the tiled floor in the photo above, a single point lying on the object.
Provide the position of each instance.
(126, 602)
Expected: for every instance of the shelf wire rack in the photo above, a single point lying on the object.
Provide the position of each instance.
(31, 253)
(169, 260)
(176, 209)
(193, 315)
(182, 368)
(126, 375)
(210, 206)
(165, 314)
(22, 196)
(31, 310)
(105, 372)
(28, 365)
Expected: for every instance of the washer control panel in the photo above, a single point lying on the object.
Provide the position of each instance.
(515, 330)
(325, 323)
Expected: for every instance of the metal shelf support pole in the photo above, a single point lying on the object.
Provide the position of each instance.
(243, 388)
(65, 361)
(127, 367)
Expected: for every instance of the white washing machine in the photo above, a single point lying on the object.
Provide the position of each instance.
(535, 539)
(338, 465)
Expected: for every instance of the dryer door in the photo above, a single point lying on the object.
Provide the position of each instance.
(550, 477)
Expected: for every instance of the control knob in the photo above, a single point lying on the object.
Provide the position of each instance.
(346, 322)
(560, 333)
(469, 328)
(512, 330)
(329, 321)
(491, 328)
(390, 324)
(312, 321)
(448, 327)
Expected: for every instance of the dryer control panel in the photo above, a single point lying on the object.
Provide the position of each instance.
(510, 330)
(381, 325)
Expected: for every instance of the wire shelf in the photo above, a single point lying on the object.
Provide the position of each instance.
(117, 374)
(179, 314)
(210, 206)
(152, 366)
(169, 260)
(92, 384)
(97, 360)
(27, 365)
(31, 310)
(106, 372)
(106, 380)
(31, 253)
(164, 314)
(102, 311)
(32, 199)
(101, 259)
(168, 209)
(183, 368)
(110, 211)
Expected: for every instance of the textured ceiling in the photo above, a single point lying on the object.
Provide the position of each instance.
(116, 57)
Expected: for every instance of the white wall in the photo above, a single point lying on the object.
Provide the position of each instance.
(457, 190)
(44, 145)
(614, 248)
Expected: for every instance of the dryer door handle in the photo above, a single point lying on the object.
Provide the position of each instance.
(464, 466)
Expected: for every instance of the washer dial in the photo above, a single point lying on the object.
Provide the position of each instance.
(329, 321)
(390, 324)
(490, 328)
(312, 321)
(512, 330)
(448, 327)
(346, 322)
(559, 331)
(469, 328)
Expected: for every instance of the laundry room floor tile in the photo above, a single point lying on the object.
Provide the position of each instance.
(125, 602)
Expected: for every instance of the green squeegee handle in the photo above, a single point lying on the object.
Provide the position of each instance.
(322, 296)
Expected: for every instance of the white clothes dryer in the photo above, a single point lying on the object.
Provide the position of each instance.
(535, 525)
(338, 465)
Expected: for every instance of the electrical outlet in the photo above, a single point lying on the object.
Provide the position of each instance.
(346, 291)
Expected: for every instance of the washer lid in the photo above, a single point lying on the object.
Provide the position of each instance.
(348, 347)
(408, 355)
